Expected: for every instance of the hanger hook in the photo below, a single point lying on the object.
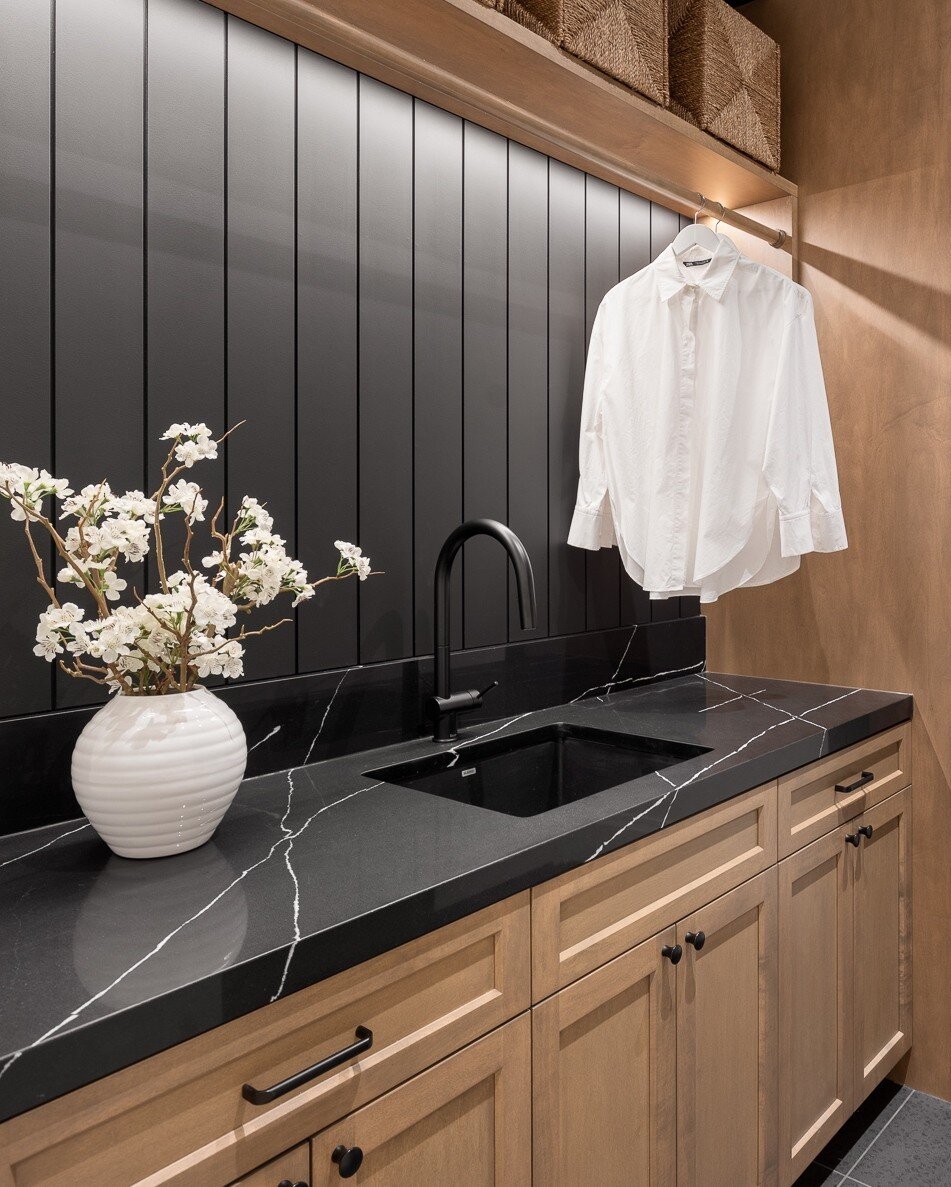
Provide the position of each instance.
(699, 210)
(716, 226)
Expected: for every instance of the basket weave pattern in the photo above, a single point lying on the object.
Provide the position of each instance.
(724, 76)
(626, 39)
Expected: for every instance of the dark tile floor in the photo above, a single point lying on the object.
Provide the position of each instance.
(898, 1138)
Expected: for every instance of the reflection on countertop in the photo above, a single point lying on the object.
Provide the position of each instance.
(317, 868)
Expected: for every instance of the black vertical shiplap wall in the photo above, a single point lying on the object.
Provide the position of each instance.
(25, 324)
(528, 370)
(437, 359)
(260, 275)
(99, 251)
(327, 466)
(603, 590)
(200, 221)
(385, 287)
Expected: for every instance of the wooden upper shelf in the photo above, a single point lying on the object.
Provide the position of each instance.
(473, 61)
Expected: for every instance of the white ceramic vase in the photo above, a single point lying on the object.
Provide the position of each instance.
(155, 774)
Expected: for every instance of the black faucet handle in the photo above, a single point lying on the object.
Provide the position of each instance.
(488, 688)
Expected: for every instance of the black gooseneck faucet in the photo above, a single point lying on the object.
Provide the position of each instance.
(447, 705)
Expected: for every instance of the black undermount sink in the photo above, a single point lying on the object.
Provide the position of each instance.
(538, 770)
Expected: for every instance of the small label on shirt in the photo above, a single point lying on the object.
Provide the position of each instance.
(696, 263)
(468, 771)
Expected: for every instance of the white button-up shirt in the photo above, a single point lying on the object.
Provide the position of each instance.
(706, 449)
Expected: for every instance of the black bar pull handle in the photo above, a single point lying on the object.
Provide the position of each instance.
(865, 777)
(264, 1096)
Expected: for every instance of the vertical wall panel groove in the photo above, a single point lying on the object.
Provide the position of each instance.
(664, 227)
(528, 372)
(185, 236)
(261, 98)
(601, 274)
(25, 406)
(397, 302)
(566, 341)
(386, 368)
(327, 353)
(99, 251)
(437, 358)
(485, 364)
(634, 253)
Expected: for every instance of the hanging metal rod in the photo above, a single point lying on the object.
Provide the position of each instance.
(667, 193)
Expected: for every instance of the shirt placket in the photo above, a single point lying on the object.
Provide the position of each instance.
(688, 384)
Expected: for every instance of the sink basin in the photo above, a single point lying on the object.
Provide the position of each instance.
(538, 770)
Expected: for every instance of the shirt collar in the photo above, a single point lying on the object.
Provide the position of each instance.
(715, 278)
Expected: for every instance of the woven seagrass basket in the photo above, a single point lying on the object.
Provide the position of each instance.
(626, 39)
(724, 76)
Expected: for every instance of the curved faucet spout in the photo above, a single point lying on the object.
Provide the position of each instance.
(445, 706)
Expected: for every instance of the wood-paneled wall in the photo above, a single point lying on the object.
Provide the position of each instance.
(866, 120)
(200, 221)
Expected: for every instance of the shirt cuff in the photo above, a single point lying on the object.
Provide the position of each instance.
(591, 529)
(816, 530)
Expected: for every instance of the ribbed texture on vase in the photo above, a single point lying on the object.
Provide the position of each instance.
(155, 775)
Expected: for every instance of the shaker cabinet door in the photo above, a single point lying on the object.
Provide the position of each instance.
(881, 926)
(726, 1040)
(466, 1120)
(815, 999)
(603, 1072)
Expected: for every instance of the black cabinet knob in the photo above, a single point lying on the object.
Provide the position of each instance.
(348, 1160)
(288, 1183)
(674, 954)
(697, 938)
(866, 830)
(853, 839)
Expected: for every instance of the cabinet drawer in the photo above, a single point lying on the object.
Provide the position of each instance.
(180, 1118)
(809, 805)
(588, 916)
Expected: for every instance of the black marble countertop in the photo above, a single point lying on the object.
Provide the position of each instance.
(107, 961)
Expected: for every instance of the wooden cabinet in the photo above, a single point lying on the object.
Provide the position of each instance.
(180, 1117)
(292, 1167)
(726, 1040)
(815, 978)
(465, 1121)
(548, 1039)
(825, 794)
(588, 916)
(881, 927)
(845, 974)
(604, 1067)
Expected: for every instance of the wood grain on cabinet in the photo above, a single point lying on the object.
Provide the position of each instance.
(726, 1041)
(590, 915)
(809, 804)
(294, 1167)
(465, 1121)
(881, 926)
(815, 999)
(179, 1117)
(604, 1069)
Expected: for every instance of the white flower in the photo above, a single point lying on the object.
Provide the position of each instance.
(26, 488)
(112, 585)
(91, 502)
(186, 496)
(253, 514)
(192, 443)
(362, 566)
(349, 552)
(133, 504)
